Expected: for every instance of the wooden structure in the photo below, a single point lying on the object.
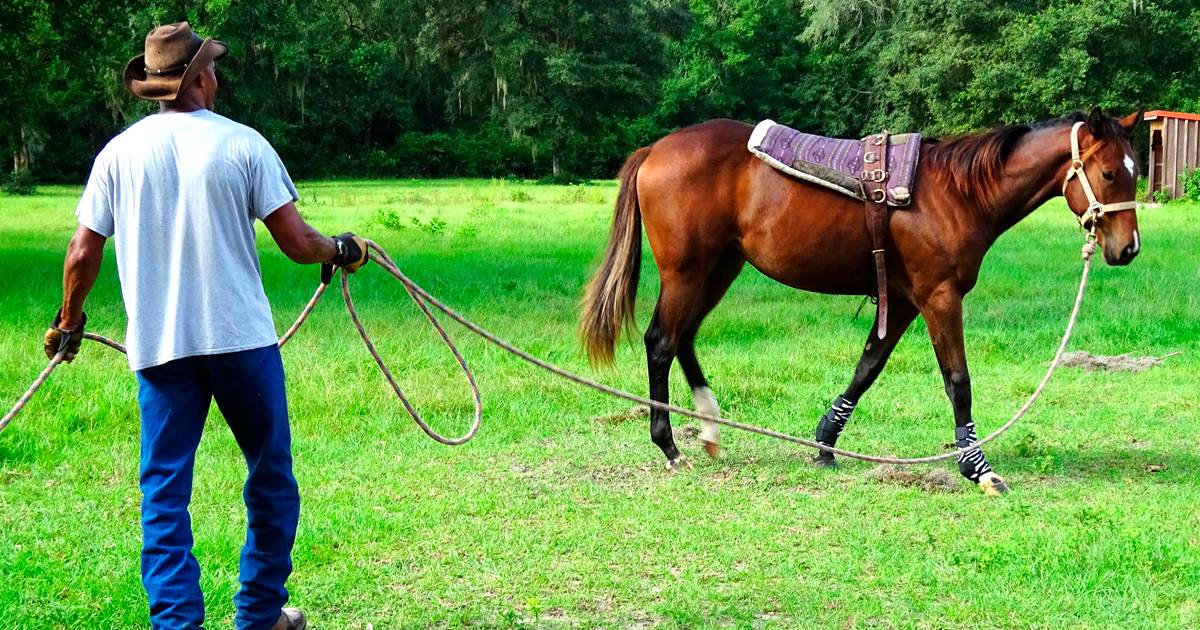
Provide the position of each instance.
(1174, 148)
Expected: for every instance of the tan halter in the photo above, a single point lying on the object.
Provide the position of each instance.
(1095, 209)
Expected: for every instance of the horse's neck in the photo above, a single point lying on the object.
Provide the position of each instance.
(1033, 175)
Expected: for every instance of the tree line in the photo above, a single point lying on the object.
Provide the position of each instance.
(565, 89)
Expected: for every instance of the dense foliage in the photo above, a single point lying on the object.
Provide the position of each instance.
(566, 89)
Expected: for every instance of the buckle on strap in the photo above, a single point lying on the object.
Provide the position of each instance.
(876, 175)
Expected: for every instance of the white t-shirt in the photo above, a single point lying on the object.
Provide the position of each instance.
(179, 192)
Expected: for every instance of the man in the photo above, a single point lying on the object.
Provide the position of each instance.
(179, 192)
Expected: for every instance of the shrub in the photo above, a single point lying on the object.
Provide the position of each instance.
(1191, 184)
(388, 218)
(19, 183)
(435, 227)
(468, 231)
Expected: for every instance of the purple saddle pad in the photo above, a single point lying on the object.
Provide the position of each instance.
(836, 163)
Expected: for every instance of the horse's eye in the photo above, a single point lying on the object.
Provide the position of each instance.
(1108, 176)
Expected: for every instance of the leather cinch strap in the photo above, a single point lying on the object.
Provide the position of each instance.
(874, 182)
(1095, 209)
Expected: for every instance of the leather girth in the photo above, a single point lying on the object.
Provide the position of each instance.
(874, 181)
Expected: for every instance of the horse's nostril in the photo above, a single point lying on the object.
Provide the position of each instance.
(1128, 253)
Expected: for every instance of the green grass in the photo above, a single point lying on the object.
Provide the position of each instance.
(556, 517)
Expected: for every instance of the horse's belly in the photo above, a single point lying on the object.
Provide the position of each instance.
(819, 275)
(829, 260)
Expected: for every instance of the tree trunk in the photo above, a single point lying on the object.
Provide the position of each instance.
(23, 156)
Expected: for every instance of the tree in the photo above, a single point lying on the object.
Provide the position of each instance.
(548, 72)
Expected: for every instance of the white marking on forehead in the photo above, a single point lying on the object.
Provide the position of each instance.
(1129, 164)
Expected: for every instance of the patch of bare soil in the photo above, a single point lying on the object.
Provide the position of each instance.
(635, 413)
(686, 432)
(935, 480)
(1120, 363)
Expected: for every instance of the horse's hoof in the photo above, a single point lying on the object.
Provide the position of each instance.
(711, 448)
(678, 464)
(992, 485)
(824, 460)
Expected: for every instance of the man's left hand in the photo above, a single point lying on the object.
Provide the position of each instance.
(58, 339)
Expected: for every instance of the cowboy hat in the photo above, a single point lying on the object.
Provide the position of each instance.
(174, 56)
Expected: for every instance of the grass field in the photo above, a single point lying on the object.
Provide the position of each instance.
(559, 513)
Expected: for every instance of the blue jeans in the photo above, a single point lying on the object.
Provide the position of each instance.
(174, 399)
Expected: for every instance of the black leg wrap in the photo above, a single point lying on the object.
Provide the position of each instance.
(834, 421)
(972, 464)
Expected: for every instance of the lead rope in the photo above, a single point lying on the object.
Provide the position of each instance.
(1089, 247)
(423, 299)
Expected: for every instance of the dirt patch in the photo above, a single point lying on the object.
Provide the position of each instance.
(687, 432)
(1119, 363)
(623, 475)
(936, 480)
(629, 415)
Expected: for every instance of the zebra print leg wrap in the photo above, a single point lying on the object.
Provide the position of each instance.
(834, 421)
(972, 464)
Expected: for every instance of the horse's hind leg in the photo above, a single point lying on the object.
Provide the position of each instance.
(723, 274)
(682, 296)
(874, 357)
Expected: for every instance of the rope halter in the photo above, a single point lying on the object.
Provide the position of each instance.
(1095, 209)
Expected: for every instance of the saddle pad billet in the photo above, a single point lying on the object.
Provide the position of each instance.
(836, 163)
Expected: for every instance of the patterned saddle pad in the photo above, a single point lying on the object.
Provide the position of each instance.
(836, 163)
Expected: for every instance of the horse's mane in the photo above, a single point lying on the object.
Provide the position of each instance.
(973, 163)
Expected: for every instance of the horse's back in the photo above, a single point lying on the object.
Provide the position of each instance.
(701, 191)
(704, 156)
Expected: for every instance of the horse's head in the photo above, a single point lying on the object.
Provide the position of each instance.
(1101, 183)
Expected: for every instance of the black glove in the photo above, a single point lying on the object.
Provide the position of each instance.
(351, 254)
(58, 339)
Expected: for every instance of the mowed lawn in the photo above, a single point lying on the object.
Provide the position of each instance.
(559, 514)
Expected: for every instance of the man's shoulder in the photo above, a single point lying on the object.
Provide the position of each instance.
(235, 128)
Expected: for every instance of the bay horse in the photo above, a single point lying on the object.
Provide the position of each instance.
(709, 206)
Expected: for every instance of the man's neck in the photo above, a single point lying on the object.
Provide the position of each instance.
(181, 106)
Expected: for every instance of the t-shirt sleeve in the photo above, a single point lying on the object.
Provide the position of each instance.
(270, 184)
(95, 209)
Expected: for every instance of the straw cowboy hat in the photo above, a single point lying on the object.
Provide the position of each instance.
(174, 56)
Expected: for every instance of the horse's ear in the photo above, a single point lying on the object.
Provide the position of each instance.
(1097, 123)
(1130, 122)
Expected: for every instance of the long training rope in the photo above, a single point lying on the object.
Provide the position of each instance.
(424, 299)
(289, 334)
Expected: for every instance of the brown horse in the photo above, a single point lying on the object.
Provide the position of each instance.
(709, 206)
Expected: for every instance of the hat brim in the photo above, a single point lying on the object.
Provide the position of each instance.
(167, 87)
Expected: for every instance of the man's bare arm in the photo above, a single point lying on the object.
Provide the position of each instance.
(82, 265)
(298, 240)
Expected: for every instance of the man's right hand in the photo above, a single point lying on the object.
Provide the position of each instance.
(351, 252)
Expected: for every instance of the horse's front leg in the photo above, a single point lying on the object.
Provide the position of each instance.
(943, 316)
(874, 357)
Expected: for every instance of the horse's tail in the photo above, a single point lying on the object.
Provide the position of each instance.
(608, 301)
